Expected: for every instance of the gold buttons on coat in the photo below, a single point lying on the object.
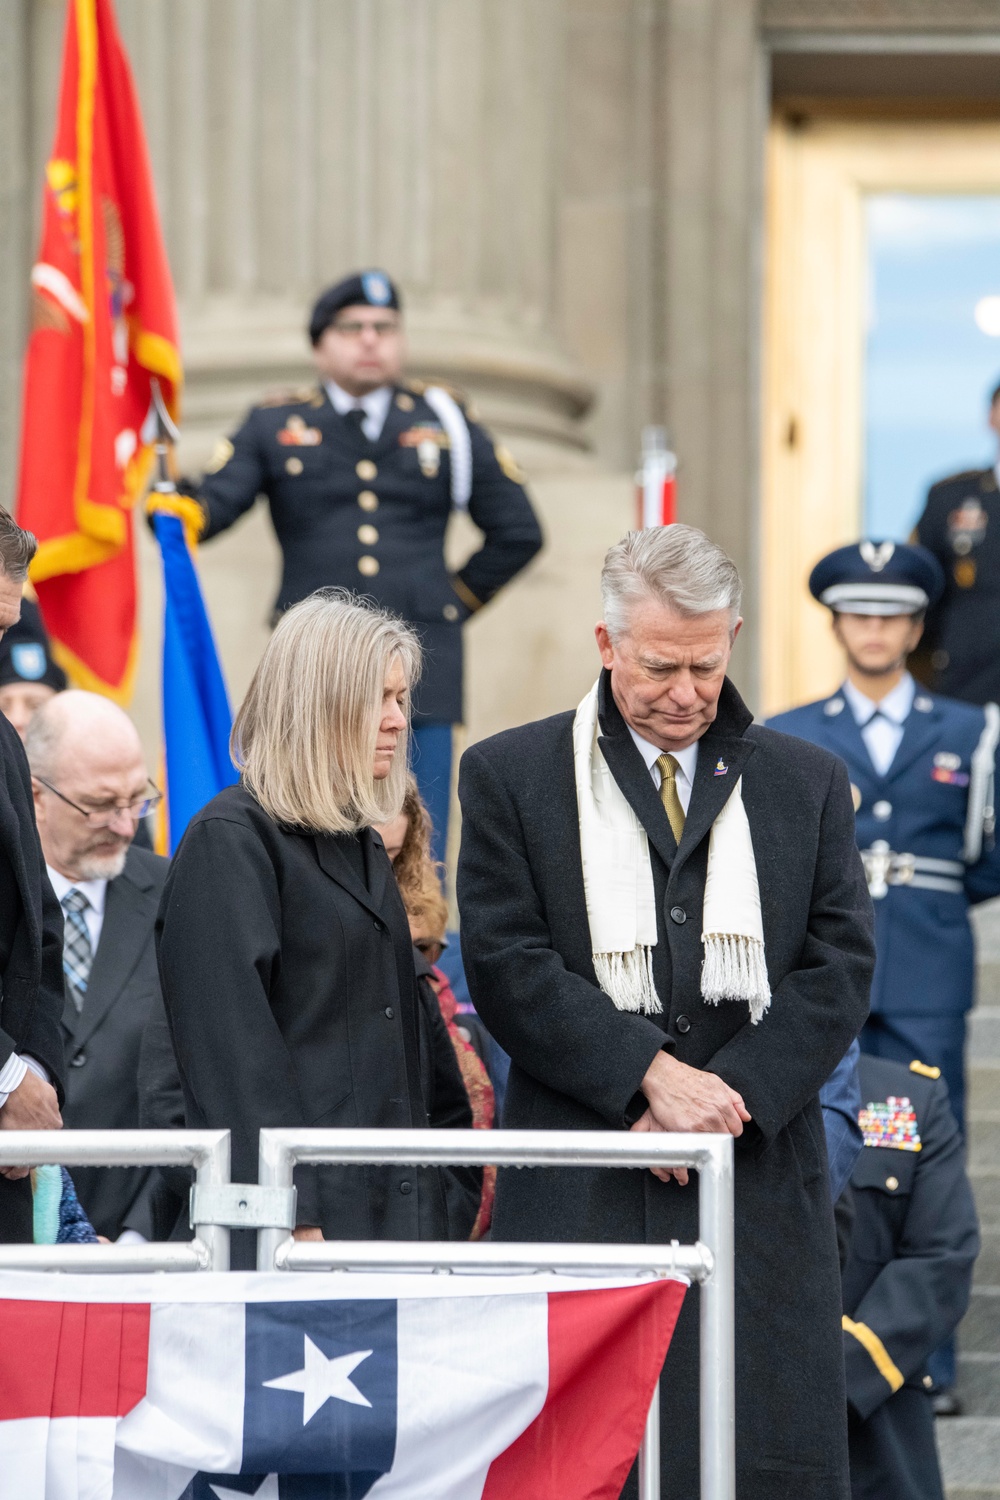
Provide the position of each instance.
(367, 535)
(365, 469)
(450, 611)
(892, 1183)
(293, 465)
(368, 500)
(405, 402)
(368, 566)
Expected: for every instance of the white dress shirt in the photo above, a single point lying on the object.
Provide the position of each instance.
(687, 760)
(96, 892)
(881, 724)
(375, 406)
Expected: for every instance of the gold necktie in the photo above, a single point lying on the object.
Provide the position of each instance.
(672, 806)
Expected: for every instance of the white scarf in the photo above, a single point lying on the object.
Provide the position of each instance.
(621, 905)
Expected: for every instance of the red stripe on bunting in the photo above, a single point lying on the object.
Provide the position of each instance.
(72, 1359)
(606, 1350)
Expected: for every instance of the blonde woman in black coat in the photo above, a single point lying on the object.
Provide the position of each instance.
(283, 944)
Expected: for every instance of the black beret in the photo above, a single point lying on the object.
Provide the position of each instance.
(363, 289)
(877, 578)
(25, 654)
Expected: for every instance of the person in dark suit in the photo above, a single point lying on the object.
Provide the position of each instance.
(361, 473)
(284, 949)
(31, 1050)
(626, 871)
(960, 525)
(907, 1277)
(91, 789)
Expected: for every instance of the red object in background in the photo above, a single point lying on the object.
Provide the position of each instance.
(656, 481)
(104, 321)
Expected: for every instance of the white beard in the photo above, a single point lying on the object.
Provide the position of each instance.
(102, 866)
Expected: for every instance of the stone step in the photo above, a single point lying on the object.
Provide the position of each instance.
(970, 1457)
(988, 1265)
(984, 1138)
(979, 1385)
(987, 984)
(983, 1084)
(980, 1329)
(986, 1188)
(984, 1033)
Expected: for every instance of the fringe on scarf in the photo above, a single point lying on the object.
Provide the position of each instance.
(628, 979)
(734, 969)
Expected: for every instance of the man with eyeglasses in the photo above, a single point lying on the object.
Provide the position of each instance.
(91, 788)
(361, 473)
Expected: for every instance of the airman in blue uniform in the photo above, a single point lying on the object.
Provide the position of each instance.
(361, 473)
(922, 773)
(906, 1278)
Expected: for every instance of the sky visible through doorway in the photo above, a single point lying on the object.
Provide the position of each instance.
(929, 365)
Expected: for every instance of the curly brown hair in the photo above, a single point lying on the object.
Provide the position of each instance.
(417, 875)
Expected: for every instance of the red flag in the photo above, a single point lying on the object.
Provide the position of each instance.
(104, 321)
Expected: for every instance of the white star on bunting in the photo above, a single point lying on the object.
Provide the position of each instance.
(321, 1379)
(267, 1491)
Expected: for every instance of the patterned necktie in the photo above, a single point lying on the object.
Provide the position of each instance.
(667, 767)
(78, 955)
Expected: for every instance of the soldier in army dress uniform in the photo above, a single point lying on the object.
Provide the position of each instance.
(906, 1278)
(961, 526)
(922, 771)
(361, 473)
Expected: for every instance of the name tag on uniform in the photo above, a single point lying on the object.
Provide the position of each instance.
(892, 1124)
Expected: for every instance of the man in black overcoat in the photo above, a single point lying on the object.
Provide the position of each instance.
(679, 744)
(31, 1050)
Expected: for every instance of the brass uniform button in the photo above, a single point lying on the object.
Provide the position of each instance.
(368, 500)
(450, 612)
(365, 469)
(368, 566)
(892, 1183)
(405, 402)
(293, 465)
(367, 535)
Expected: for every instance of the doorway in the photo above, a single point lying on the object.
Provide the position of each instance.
(882, 344)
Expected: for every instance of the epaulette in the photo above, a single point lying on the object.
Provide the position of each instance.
(300, 395)
(924, 1069)
(417, 387)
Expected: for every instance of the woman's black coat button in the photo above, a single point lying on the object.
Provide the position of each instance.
(377, 925)
(406, 1187)
(390, 1014)
(678, 914)
(78, 1060)
(682, 1024)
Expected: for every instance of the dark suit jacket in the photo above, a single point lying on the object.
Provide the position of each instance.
(578, 1062)
(291, 997)
(102, 1045)
(32, 977)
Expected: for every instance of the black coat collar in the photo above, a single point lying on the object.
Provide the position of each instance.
(722, 753)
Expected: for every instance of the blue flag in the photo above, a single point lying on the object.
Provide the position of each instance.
(196, 713)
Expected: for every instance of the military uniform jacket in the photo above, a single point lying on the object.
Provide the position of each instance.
(907, 1275)
(926, 958)
(961, 526)
(371, 517)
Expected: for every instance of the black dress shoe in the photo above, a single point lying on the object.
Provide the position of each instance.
(946, 1404)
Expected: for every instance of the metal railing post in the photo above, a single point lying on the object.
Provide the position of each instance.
(212, 1170)
(275, 1168)
(718, 1358)
(649, 1452)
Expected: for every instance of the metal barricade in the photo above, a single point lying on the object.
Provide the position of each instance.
(709, 1262)
(205, 1150)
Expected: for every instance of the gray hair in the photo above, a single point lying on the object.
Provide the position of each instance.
(677, 566)
(17, 547)
(304, 738)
